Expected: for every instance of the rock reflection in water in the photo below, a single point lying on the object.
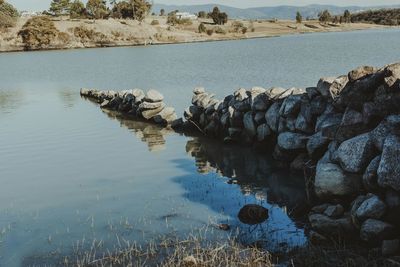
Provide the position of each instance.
(151, 134)
(254, 172)
(10, 100)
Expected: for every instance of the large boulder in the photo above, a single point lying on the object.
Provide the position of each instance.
(272, 117)
(355, 154)
(261, 102)
(199, 90)
(153, 96)
(148, 114)
(352, 124)
(390, 125)
(370, 177)
(371, 208)
(332, 181)
(249, 125)
(292, 141)
(337, 86)
(326, 225)
(317, 145)
(392, 75)
(360, 73)
(167, 115)
(290, 106)
(150, 105)
(263, 132)
(389, 167)
(324, 85)
(376, 231)
(241, 94)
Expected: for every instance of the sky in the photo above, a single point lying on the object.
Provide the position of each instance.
(38, 5)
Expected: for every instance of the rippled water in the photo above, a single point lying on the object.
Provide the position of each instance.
(70, 172)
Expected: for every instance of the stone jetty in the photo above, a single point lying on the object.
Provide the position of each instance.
(136, 103)
(344, 133)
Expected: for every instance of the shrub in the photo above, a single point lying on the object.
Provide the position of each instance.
(6, 21)
(238, 27)
(244, 30)
(38, 32)
(89, 35)
(202, 28)
(210, 32)
(219, 30)
(155, 22)
(174, 20)
(218, 17)
(8, 10)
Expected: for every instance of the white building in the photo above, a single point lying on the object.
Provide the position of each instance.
(185, 15)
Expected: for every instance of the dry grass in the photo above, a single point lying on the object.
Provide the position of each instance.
(172, 252)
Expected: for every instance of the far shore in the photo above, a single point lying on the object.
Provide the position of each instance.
(122, 33)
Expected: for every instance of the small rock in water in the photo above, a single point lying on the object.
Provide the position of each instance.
(224, 227)
(252, 214)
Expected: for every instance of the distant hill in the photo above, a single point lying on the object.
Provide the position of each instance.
(279, 12)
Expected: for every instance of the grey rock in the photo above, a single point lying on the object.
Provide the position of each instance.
(324, 85)
(360, 73)
(138, 94)
(261, 102)
(290, 106)
(153, 96)
(148, 114)
(332, 181)
(259, 118)
(303, 125)
(390, 125)
(272, 117)
(318, 105)
(150, 105)
(352, 124)
(355, 154)
(392, 75)
(390, 247)
(320, 208)
(275, 92)
(263, 132)
(299, 162)
(334, 211)
(242, 106)
(392, 199)
(249, 125)
(177, 124)
(240, 94)
(370, 177)
(312, 92)
(292, 141)
(105, 104)
(354, 207)
(375, 231)
(338, 85)
(371, 208)
(167, 115)
(389, 167)
(317, 145)
(325, 225)
(199, 90)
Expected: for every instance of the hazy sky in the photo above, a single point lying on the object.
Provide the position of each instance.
(43, 4)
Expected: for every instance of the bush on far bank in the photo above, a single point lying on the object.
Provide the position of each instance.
(38, 33)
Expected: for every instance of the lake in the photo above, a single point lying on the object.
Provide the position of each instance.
(71, 174)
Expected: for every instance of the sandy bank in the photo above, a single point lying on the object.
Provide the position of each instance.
(111, 33)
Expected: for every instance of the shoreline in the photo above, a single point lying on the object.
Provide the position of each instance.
(145, 34)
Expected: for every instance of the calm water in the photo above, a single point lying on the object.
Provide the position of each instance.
(71, 173)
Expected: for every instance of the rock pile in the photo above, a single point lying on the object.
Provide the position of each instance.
(347, 127)
(136, 103)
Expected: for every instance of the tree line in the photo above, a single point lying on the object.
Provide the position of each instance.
(98, 9)
(325, 17)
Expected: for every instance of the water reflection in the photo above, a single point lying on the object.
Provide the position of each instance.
(10, 100)
(255, 172)
(151, 134)
(231, 177)
(68, 97)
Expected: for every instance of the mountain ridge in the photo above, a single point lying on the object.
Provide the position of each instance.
(268, 12)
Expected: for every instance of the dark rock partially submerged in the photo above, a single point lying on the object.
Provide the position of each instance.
(252, 214)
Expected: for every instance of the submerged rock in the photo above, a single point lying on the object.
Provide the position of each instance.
(253, 214)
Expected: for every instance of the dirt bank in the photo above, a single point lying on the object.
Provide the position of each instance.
(109, 33)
